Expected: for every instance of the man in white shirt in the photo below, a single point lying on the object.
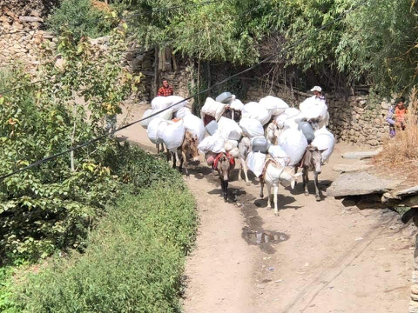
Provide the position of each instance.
(317, 91)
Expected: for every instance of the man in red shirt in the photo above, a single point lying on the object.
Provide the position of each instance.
(166, 90)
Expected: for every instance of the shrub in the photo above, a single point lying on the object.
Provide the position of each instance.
(82, 18)
(133, 262)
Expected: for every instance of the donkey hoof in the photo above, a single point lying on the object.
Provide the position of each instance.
(276, 212)
(248, 183)
(318, 198)
(306, 194)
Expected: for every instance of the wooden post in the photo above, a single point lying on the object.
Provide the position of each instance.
(156, 73)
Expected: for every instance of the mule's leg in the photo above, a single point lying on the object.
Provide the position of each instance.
(269, 196)
(178, 159)
(184, 162)
(317, 191)
(262, 188)
(245, 173)
(240, 169)
(276, 190)
(173, 158)
(226, 191)
(158, 148)
(305, 181)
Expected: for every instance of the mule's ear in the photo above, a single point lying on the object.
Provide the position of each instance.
(322, 150)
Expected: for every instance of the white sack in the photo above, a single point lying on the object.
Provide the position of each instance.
(256, 111)
(230, 128)
(183, 112)
(324, 140)
(251, 127)
(146, 122)
(234, 153)
(231, 144)
(275, 105)
(160, 103)
(294, 144)
(213, 108)
(213, 144)
(175, 99)
(279, 155)
(152, 130)
(255, 162)
(173, 135)
(313, 108)
(237, 105)
(194, 125)
(288, 119)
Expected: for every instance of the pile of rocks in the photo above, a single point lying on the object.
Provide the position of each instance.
(20, 37)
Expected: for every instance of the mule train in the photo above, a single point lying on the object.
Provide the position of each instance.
(268, 138)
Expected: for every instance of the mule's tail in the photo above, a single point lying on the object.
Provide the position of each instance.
(295, 180)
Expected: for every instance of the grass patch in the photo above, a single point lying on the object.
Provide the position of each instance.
(133, 263)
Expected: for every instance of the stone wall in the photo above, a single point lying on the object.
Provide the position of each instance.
(21, 38)
(352, 119)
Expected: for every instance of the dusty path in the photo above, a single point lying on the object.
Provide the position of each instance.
(314, 257)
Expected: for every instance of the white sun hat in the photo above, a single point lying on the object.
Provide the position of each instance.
(316, 88)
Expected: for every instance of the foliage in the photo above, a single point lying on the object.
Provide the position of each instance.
(7, 305)
(54, 205)
(133, 262)
(81, 18)
(381, 41)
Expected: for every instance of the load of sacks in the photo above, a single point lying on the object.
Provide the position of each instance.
(224, 134)
(170, 126)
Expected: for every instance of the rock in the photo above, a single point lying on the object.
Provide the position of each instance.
(349, 168)
(360, 183)
(414, 297)
(414, 289)
(261, 286)
(413, 307)
(361, 155)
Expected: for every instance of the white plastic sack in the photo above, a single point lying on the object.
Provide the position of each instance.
(213, 144)
(324, 139)
(275, 105)
(213, 108)
(251, 127)
(313, 108)
(294, 144)
(237, 105)
(176, 99)
(231, 144)
(255, 162)
(288, 119)
(256, 111)
(146, 122)
(183, 112)
(279, 155)
(194, 125)
(230, 128)
(173, 135)
(159, 103)
(152, 130)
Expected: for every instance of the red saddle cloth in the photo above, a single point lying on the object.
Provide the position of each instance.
(231, 159)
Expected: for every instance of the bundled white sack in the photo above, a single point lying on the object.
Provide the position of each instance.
(213, 108)
(183, 112)
(275, 105)
(324, 139)
(314, 108)
(178, 101)
(256, 111)
(294, 144)
(234, 153)
(152, 130)
(173, 134)
(236, 105)
(165, 115)
(160, 103)
(213, 144)
(255, 162)
(288, 119)
(194, 125)
(230, 128)
(251, 127)
(279, 155)
(230, 144)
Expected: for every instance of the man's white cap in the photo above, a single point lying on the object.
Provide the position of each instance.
(316, 88)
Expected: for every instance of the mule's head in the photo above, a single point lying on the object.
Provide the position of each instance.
(224, 168)
(192, 143)
(314, 158)
(314, 123)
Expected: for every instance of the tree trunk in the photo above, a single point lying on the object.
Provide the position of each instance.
(198, 82)
(156, 73)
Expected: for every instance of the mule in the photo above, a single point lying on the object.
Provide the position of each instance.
(272, 133)
(275, 174)
(224, 164)
(244, 147)
(186, 152)
(311, 162)
(232, 114)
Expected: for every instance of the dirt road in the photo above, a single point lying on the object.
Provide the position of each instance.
(323, 256)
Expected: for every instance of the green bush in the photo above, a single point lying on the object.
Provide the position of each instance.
(133, 263)
(81, 18)
(6, 291)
